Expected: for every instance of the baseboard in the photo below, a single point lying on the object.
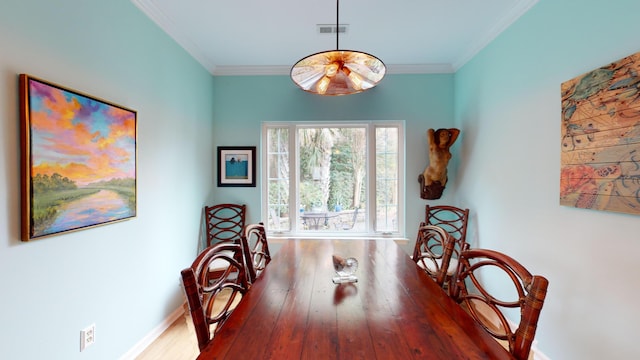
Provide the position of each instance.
(138, 348)
(537, 354)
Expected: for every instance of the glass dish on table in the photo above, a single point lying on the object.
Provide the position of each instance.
(345, 269)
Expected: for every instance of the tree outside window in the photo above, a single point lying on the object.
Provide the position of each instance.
(335, 166)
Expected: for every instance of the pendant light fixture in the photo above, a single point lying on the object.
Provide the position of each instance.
(338, 72)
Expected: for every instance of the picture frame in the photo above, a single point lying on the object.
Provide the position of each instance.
(78, 162)
(600, 138)
(236, 166)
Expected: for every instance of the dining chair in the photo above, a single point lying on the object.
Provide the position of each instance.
(350, 222)
(454, 221)
(225, 222)
(432, 252)
(256, 250)
(212, 298)
(489, 284)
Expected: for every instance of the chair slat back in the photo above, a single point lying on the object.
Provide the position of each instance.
(453, 220)
(256, 249)
(225, 222)
(433, 250)
(212, 295)
(489, 306)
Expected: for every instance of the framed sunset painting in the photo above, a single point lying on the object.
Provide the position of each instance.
(78, 160)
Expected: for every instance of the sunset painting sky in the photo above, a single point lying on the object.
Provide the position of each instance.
(78, 137)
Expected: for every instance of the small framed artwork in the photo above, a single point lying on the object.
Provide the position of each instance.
(78, 160)
(237, 166)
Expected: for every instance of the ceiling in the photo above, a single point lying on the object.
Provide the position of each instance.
(250, 37)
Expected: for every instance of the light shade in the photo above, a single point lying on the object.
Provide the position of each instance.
(338, 72)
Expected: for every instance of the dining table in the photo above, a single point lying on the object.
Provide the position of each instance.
(393, 310)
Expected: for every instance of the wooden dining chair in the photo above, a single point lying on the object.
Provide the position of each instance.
(211, 299)
(225, 222)
(432, 252)
(349, 221)
(256, 249)
(488, 284)
(454, 221)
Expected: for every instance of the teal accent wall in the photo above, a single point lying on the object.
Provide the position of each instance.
(123, 277)
(242, 103)
(507, 101)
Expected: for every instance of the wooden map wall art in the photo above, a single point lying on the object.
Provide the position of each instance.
(600, 160)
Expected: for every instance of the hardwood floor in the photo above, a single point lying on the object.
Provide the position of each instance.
(178, 342)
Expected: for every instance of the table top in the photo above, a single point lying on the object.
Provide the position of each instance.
(393, 311)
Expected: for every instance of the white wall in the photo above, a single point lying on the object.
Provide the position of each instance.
(507, 102)
(123, 277)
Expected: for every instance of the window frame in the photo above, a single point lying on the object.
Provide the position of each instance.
(370, 178)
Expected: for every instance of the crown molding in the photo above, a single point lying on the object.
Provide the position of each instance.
(169, 27)
(285, 70)
(419, 69)
(514, 14)
(251, 70)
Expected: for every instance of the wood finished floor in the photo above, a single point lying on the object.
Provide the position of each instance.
(178, 342)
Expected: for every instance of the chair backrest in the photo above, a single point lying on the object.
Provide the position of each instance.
(453, 220)
(350, 223)
(211, 299)
(256, 249)
(433, 250)
(489, 305)
(225, 222)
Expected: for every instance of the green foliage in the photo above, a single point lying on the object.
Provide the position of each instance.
(346, 147)
(342, 178)
(279, 196)
(310, 195)
(116, 183)
(44, 183)
(51, 192)
(126, 188)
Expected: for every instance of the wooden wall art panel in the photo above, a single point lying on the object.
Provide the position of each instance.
(600, 142)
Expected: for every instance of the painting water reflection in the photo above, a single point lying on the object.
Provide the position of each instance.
(101, 207)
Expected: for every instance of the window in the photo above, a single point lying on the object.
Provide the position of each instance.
(334, 179)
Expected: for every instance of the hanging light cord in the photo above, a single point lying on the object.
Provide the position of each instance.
(337, 24)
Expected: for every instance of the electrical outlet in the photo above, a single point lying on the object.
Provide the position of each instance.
(87, 336)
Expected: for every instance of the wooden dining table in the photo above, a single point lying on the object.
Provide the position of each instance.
(393, 311)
